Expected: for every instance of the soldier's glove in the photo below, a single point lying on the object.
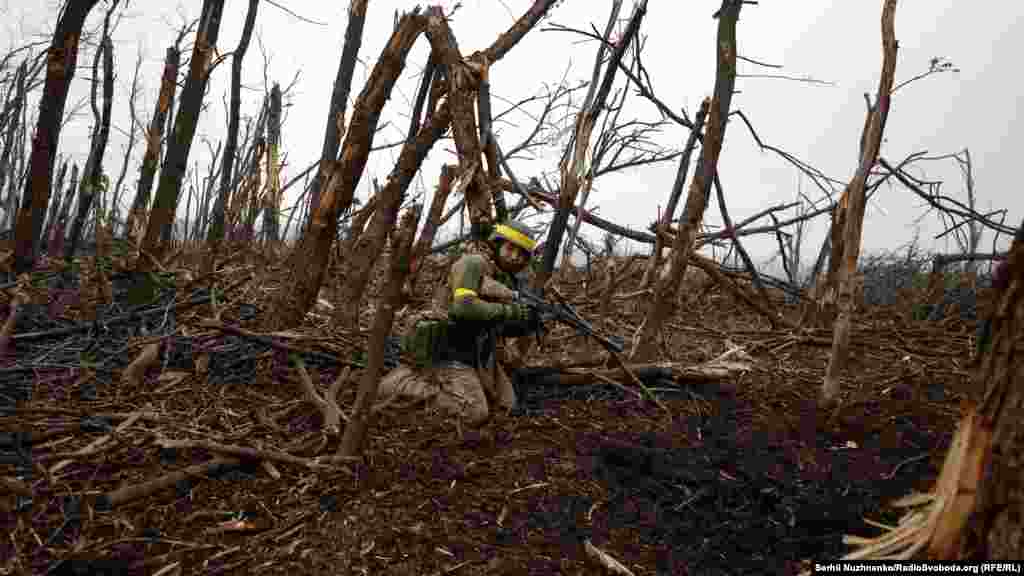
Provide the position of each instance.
(515, 313)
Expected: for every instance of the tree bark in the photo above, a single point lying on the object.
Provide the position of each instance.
(62, 59)
(1001, 492)
(654, 262)
(335, 125)
(216, 233)
(308, 260)
(136, 222)
(272, 200)
(355, 430)
(851, 206)
(662, 305)
(426, 239)
(94, 180)
(368, 247)
(165, 204)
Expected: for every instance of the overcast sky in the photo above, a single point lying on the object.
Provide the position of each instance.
(836, 42)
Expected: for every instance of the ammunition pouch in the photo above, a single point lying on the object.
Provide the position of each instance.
(427, 342)
(433, 341)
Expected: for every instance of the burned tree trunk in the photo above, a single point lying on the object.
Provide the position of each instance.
(93, 179)
(136, 223)
(176, 161)
(851, 208)
(1001, 491)
(308, 260)
(335, 125)
(62, 59)
(133, 124)
(355, 430)
(370, 243)
(654, 262)
(272, 196)
(12, 110)
(426, 239)
(463, 80)
(55, 235)
(56, 204)
(576, 172)
(662, 305)
(216, 232)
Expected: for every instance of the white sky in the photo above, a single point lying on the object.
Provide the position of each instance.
(837, 42)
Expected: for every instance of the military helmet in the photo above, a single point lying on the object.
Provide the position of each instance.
(515, 232)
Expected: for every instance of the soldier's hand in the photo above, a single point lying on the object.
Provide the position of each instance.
(516, 313)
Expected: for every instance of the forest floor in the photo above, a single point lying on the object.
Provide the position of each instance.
(740, 475)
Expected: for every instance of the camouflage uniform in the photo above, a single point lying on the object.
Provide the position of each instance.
(455, 343)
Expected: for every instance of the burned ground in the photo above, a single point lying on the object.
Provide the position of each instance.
(738, 476)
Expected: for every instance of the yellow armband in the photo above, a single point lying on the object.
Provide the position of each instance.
(464, 294)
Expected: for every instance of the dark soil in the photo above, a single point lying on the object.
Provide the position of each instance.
(741, 476)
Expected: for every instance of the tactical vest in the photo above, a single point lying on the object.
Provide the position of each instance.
(435, 339)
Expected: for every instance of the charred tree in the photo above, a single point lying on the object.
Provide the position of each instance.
(308, 260)
(335, 125)
(62, 58)
(136, 222)
(12, 110)
(662, 305)
(216, 231)
(272, 196)
(93, 179)
(133, 126)
(355, 430)
(175, 164)
(1001, 491)
(56, 204)
(851, 208)
(371, 242)
(576, 173)
(426, 238)
(654, 262)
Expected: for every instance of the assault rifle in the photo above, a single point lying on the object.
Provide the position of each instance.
(564, 313)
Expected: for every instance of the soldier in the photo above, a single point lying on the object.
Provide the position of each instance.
(455, 346)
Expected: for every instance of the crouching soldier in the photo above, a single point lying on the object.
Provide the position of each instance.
(454, 349)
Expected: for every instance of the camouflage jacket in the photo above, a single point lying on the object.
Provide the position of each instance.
(475, 293)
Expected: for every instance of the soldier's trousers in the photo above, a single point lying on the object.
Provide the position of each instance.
(451, 387)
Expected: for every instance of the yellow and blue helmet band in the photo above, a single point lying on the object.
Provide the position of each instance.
(514, 236)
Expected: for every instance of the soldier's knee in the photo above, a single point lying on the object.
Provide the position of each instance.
(476, 414)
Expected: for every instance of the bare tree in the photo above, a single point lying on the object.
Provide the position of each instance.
(216, 232)
(133, 119)
(175, 163)
(272, 197)
(850, 209)
(666, 286)
(62, 59)
(135, 225)
(93, 179)
(307, 262)
(335, 125)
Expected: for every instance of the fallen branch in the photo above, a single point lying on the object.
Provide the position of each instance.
(245, 452)
(133, 373)
(263, 339)
(131, 493)
(17, 307)
(122, 319)
(94, 446)
(605, 560)
(15, 487)
(328, 405)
